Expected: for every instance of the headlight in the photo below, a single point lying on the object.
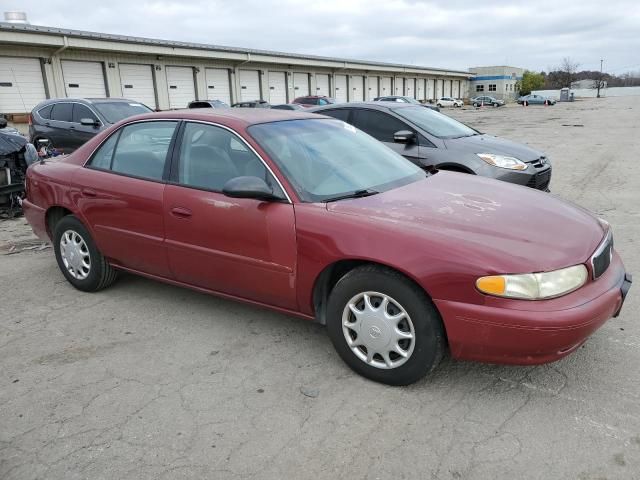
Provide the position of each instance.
(502, 161)
(534, 286)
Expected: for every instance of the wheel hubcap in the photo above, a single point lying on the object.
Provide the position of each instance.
(75, 255)
(378, 330)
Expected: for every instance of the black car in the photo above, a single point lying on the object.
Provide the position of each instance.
(207, 104)
(67, 123)
(288, 106)
(435, 141)
(401, 99)
(252, 104)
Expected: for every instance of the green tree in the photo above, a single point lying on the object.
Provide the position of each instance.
(530, 81)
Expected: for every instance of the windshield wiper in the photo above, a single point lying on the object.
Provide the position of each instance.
(367, 192)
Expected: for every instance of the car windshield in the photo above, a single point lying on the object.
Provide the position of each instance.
(328, 159)
(435, 123)
(113, 112)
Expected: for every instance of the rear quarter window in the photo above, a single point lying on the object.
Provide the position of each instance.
(45, 112)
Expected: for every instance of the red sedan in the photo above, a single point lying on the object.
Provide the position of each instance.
(307, 215)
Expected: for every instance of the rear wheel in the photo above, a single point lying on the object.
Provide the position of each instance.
(81, 263)
(384, 326)
(496, 104)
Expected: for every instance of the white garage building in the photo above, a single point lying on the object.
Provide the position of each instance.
(37, 63)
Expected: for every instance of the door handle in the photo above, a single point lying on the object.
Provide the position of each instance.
(87, 192)
(181, 212)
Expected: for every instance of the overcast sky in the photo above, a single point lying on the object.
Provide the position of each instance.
(448, 34)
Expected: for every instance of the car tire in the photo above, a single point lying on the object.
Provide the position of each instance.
(79, 260)
(439, 105)
(416, 317)
(476, 105)
(496, 105)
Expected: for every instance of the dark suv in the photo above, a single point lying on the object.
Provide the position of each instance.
(432, 140)
(67, 123)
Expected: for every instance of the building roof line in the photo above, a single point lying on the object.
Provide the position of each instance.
(39, 29)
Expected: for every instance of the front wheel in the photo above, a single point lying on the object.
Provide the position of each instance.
(78, 258)
(384, 326)
(495, 105)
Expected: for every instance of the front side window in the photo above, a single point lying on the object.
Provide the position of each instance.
(81, 112)
(435, 123)
(211, 156)
(325, 158)
(138, 150)
(379, 125)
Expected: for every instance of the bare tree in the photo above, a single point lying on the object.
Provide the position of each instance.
(568, 69)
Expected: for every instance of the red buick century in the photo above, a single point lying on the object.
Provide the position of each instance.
(309, 216)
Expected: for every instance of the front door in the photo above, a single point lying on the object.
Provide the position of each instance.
(241, 247)
(120, 195)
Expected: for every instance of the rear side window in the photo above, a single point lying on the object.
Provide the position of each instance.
(378, 124)
(81, 111)
(45, 112)
(338, 113)
(138, 150)
(62, 112)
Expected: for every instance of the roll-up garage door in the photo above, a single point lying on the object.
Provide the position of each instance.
(277, 88)
(341, 88)
(373, 88)
(218, 87)
(447, 88)
(301, 84)
(385, 86)
(249, 85)
(181, 86)
(322, 84)
(21, 84)
(420, 89)
(429, 83)
(357, 88)
(410, 87)
(83, 79)
(439, 88)
(457, 89)
(137, 83)
(398, 86)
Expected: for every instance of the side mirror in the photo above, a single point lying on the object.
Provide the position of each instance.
(249, 187)
(89, 122)
(404, 136)
(3, 122)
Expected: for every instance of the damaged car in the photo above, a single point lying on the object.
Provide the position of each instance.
(16, 154)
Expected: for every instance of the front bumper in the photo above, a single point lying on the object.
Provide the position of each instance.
(538, 178)
(521, 336)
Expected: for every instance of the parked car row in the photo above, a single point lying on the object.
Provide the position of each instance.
(318, 214)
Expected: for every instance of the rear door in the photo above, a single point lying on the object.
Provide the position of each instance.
(59, 124)
(382, 126)
(120, 194)
(240, 247)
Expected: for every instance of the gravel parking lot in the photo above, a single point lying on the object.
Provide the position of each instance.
(146, 380)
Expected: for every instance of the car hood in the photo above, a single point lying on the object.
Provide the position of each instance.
(490, 144)
(503, 228)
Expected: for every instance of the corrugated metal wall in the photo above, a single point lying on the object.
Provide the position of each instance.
(54, 79)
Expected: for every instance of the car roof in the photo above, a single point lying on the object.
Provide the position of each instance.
(89, 100)
(236, 116)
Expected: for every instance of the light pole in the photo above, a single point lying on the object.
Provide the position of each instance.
(600, 78)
